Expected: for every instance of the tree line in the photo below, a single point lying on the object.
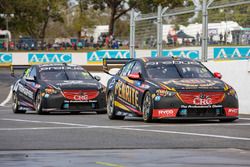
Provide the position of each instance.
(42, 18)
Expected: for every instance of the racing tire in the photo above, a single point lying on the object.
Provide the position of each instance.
(111, 110)
(15, 105)
(101, 112)
(38, 104)
(147, 108)
(227, 120)
(75, 112)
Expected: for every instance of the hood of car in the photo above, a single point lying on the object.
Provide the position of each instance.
(194, 84)
(75, 84)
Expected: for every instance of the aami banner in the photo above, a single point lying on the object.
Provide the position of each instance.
(38, 58)
(232, 53)
(192, 54)
(96, 57)
(5, 58)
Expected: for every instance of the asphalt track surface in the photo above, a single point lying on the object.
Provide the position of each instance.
(88, 139)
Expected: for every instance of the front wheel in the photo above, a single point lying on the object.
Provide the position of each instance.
(38, 103)
(101, 112)
(15, 105)
(147, 107)
(111, 107)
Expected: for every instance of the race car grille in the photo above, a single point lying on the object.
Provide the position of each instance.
(201, 98)
(81, 106)
(203, 112)
(80, 95)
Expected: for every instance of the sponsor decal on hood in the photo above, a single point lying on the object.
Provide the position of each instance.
(74, 84)
(201, 83)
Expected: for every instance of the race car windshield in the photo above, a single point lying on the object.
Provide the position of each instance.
(65, 75)
(170, 71)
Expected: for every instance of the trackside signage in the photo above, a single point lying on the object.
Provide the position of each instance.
(232, 53)
(192, 54)
(5, 58)
(96, 57)
(37, 58)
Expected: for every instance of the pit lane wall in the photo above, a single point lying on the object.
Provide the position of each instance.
(232, 62)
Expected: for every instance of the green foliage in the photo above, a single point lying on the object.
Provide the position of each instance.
(239, 14)
(32, 17)
(149, 6)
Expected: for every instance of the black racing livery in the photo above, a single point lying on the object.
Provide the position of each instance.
(169, 88)
(58, 87)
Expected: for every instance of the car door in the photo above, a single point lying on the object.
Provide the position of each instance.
(139, 84)
(128, 91)
(25, 92)
(121, 80)
(31, 85)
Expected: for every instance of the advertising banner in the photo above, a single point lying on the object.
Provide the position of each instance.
(232, 53)
(97, 57)
(5, 59)
(192, 54)
(39, 58)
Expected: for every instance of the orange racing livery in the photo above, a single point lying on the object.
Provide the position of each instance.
(169, 88)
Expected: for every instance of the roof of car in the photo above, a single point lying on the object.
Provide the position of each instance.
(56, 65)
(150, 59)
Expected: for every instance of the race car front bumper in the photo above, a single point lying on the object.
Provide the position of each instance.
(196, 113)
(58, 103)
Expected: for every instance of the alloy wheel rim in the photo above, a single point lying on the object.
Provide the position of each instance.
(110, 104)
(38, 101)
(146, 107)
(15, 102)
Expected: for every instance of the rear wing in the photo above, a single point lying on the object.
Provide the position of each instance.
(109, 63)
(17, 67)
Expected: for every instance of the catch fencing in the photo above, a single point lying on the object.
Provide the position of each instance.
(208, 23)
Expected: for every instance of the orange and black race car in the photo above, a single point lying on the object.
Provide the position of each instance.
(169, 88)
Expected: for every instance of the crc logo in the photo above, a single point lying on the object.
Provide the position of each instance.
(83, 97)
(202, 100)
(233, 110)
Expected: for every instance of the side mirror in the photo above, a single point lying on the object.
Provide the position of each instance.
(217, 75)
(97, 78)
(30, 79)
(135, 76)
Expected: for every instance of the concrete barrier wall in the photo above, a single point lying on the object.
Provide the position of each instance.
(237, 74)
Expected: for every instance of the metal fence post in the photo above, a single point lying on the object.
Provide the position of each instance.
(204, 31)
(132, 34)
(159, 30)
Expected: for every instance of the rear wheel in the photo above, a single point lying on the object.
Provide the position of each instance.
(111, 107)
(147, 107)
(38, 103)
(75, 112)
(15, 105)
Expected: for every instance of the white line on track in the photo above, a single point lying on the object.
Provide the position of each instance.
(127, 126)
(185, 133)
(245, 118)
(46, 122)
(42, 128)
(190, 125)
(8, 98)
(132, 129)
